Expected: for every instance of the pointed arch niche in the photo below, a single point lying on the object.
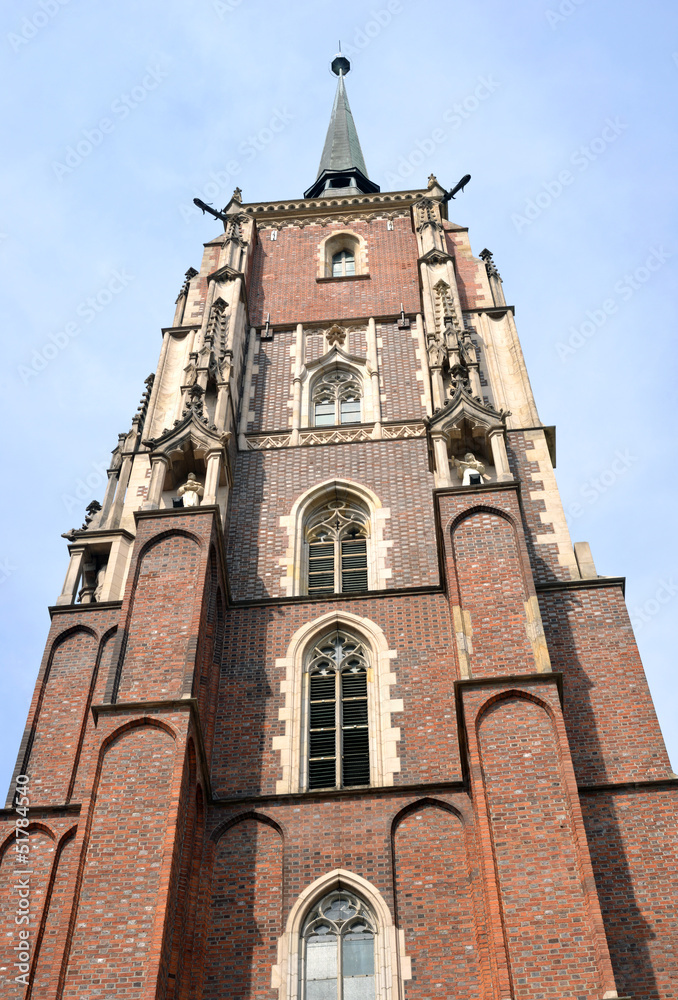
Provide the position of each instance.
(345, 241)
(391, 965)
(383, 737)
(356, 377)
(294, 581)
(465, 424)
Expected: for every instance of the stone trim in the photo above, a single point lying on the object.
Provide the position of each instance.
(293, 581)
(392, 967)
(384, 761)
(335, 435)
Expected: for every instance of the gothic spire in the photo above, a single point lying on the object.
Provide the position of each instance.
(342, 166)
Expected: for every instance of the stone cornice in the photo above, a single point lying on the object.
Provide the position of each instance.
(585, 584)
(63, 609)
(318, 208)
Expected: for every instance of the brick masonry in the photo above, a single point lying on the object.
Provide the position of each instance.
(525, 847)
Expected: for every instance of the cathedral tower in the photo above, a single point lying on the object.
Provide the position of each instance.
(331, 707)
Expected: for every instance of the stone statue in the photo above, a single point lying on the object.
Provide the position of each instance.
(101, 577)
(470, 466)
(191, 491)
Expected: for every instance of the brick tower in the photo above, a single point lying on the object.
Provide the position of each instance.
(331, 708)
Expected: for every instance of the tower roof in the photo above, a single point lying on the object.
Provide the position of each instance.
(342, 165)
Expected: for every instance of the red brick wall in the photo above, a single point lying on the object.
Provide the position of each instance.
(60, 717)
(468, 270)
(398, 368)
(544, 910)
(41, 857)
(283, 277)
(48, 959)
(435, 905)
(633, 841)
(250, 694)
(611, 722)
(543, 555)
(160, 638)
(118, 900)
(492, 589)
(272, 383)
(267, 483)
(245, 891)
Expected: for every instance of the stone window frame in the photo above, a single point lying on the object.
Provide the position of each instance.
(392, 965)
(383, 736)
(343, 239)
(353, 382)
(294, 563)
(338, 359)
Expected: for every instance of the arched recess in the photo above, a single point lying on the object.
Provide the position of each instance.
(383, 737)
(60, 714)
(544, 893)
(245, 909)
(293, 581)
(438, 893)
(343, 239)
(47, 955)
(42, 847)
(392, 965)
(498, 613)
(125, 867)
(337, 360)
(159, 667)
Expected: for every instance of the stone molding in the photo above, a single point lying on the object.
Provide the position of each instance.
(383, 737)
(392, 967)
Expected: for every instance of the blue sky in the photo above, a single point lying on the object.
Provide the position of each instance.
(117, 115)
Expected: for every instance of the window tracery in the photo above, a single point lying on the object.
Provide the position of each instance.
(336, 399)
(338, 945)
(336, 535)
(338, 736)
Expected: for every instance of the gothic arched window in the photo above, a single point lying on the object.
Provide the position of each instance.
(336, 535)
(343, 263)
(338, 737)
(336, 399)
(337, 953)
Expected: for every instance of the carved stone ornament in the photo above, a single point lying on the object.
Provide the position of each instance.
(336, 335)
(194, 401)
(191, 273)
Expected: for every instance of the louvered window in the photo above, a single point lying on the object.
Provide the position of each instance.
(336, 399)
(338, 736)
(337, 548)
(337, 953)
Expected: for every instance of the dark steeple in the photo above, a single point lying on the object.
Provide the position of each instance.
(342, 167)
